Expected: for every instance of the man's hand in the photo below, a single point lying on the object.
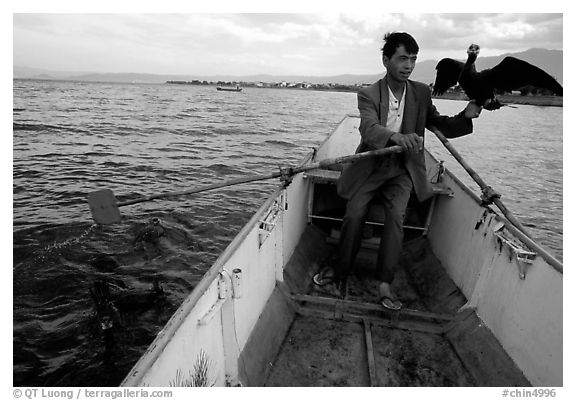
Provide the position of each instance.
(473, 110)
(410, 142)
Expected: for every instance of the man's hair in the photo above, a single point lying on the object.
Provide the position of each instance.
(393, 40)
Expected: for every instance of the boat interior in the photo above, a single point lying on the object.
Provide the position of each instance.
(326, 337)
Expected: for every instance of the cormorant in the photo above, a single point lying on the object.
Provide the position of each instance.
(151, 232)
(509, 75)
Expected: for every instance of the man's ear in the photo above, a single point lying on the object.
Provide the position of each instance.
(385, 61)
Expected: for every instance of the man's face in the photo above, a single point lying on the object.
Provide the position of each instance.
(400, 66)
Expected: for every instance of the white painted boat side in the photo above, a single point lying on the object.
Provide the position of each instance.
(525, 315)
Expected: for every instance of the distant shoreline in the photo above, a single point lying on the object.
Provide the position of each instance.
(537, 100)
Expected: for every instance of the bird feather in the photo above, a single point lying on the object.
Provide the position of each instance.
(447, 73)
(513, 73)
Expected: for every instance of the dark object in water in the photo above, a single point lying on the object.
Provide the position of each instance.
(111, 298)
(140, 299)
(106, 312)
(104, 262)
(151, 232)
(509, 75)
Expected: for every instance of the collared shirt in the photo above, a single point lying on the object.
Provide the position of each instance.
(395, 110)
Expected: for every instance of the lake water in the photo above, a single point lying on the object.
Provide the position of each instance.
(72, 138)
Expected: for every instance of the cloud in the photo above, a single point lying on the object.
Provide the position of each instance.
(299, 57)
(327, 43)
(220, 25)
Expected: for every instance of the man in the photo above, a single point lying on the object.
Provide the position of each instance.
(393, 111)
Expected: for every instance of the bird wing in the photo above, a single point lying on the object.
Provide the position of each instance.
(447, 73)
(513, 73)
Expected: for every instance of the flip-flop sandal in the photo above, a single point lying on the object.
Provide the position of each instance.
(325, 277)
(390, 304)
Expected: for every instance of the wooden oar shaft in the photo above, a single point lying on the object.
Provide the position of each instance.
(348, 158)
(230, 182)
(478, 180)
(290, 171)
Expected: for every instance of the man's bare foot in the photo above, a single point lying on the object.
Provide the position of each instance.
(388, 298)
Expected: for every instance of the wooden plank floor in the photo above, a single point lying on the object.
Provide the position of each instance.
(324, 352)
(350, 340)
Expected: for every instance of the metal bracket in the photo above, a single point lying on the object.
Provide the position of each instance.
(482, 220)
(441, 170)
(228, 286)
(516, 250)
(268, 223)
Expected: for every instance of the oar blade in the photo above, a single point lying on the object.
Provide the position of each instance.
(104, 208)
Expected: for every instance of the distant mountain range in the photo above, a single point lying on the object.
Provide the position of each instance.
(549, 60)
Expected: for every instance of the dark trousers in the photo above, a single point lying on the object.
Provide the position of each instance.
(392, 185)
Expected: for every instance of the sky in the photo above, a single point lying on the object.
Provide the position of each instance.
(279, 43)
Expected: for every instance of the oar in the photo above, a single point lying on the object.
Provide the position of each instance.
(489, 195)
(104, 206)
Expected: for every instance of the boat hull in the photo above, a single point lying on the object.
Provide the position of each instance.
(238, 317)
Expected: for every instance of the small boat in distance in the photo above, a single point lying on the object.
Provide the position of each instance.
(229, 88)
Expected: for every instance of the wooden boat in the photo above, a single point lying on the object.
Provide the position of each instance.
(229, 89)
(482, 303)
